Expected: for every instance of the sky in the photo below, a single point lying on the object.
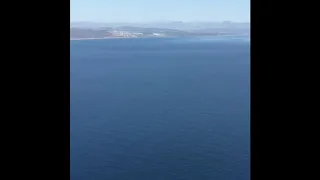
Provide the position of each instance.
(159, 10)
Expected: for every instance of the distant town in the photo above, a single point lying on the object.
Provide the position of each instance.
(112, 31)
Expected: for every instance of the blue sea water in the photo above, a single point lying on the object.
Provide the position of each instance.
(160, 109)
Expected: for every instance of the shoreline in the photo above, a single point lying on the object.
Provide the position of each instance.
(78, 39)
(81, 39)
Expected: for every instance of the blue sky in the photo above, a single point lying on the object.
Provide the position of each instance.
(159, 10)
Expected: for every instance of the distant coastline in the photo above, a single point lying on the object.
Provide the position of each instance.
(140, 32)
(82, 39)
(78, 39)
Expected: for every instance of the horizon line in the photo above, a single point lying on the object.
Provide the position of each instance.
(157, 21)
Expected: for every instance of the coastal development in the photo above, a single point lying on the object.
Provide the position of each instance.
(123, 33)
(115, 33)
(136, 32)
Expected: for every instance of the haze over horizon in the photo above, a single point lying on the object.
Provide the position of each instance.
(150, 11)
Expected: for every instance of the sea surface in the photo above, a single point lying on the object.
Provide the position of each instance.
(160, 109)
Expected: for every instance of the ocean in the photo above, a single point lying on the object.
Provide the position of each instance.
(160, 109)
